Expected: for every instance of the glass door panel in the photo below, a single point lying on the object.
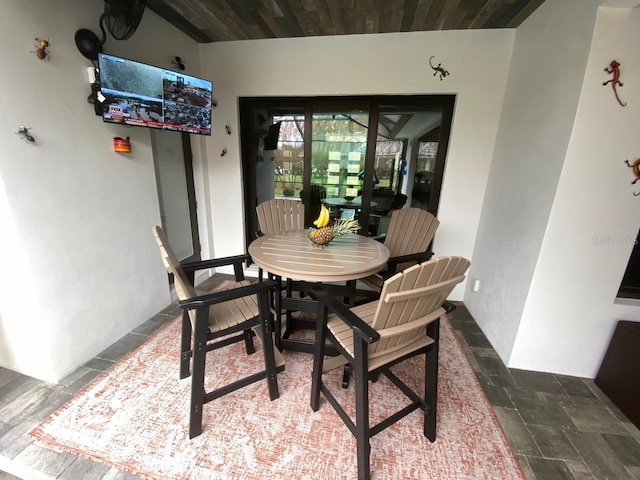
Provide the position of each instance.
(338, 151)
(406, 152)
(272, 139)
(289, 156)
(386, 197)
(279, 165)
(424, 172)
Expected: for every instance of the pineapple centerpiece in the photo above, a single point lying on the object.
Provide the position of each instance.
(324, 232)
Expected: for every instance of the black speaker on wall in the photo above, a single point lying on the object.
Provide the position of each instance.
(271, 140)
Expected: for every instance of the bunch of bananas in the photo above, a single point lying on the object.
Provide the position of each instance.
(323, 218)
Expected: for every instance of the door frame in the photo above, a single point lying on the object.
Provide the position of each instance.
(191, 196)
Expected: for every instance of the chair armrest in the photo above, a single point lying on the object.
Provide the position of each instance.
(448, 306)
(214, 262)
(392, 263)
(236, 261)
(354, 322)
(379, 238)
(226, 295)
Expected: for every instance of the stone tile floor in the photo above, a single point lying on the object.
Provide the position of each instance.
(560, 427)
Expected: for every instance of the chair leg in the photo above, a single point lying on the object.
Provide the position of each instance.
(277, 304)
(350, 299)
(289, 294)
(185, 345)
(197, 376)
(362, 409)
(248, 342)
(431, 381)
(318, 355)
(267, 345)
(346, 372)
(270, 276)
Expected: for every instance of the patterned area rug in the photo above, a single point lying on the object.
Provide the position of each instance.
(135, 417)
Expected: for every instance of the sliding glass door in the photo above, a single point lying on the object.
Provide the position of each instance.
(363, 157)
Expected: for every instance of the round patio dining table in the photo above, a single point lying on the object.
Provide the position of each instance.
(291, 254)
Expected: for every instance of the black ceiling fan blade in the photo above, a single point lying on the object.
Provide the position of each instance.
(122, 17)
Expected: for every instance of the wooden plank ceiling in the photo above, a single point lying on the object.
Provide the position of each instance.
(224, 20)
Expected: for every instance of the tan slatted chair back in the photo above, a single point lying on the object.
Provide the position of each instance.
(223, 315)
(411, 230)
(183, 287)
(412, 299)
(279, 215)
(319, 192)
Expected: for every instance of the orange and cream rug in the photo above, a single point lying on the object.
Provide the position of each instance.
(135, 417)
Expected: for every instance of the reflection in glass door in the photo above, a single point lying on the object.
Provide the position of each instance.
(338, 150)
(406, 161)
(279, 168)
(289, 156)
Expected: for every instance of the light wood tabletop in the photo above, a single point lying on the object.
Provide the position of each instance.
(291, 254)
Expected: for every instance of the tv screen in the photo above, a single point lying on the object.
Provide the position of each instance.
(138, 94)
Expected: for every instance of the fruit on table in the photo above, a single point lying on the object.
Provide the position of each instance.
(322, 236)
(323, 218)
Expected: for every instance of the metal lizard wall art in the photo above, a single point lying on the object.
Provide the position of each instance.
(614, 70)
(438, 70)
(636, 171)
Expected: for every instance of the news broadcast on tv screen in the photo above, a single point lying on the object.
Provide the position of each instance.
(143, 95)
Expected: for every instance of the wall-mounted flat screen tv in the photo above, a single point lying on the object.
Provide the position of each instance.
(138, 94)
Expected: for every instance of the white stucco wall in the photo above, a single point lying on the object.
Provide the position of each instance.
(545, 79)
(365, 64)
(570, 313)
(80, 266)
